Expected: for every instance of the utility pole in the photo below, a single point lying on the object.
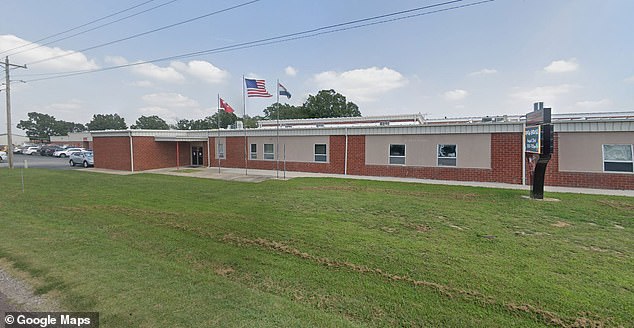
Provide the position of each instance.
(7, 68)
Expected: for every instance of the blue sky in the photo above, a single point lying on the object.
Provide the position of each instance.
(491, 59)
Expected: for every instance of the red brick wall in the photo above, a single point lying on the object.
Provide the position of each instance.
(234, 157)
(112, 153)
(554, 177)
(506, 163)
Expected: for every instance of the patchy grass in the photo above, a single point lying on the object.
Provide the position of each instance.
(153, 250)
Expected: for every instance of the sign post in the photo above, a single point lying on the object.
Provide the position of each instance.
(538, 139)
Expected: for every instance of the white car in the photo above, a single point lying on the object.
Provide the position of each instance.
(3, 155)
(30, 150)
(66, 152)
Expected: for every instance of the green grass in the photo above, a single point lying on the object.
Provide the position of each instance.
(162, 251)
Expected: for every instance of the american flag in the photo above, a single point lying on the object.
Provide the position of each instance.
(257, 88)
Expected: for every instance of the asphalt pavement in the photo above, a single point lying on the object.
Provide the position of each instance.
(38, 161)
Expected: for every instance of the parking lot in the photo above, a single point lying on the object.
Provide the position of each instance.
(37, 161)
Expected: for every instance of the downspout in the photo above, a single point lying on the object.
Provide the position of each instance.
(131, 152)
(524, 153)
(208, 153)
(345, 158)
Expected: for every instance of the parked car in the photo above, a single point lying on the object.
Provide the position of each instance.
(83, 158)
(66, 152)
(3, 155)
(49, 150)
(30, 150)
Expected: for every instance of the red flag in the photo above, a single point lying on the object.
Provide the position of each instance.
(225, 106)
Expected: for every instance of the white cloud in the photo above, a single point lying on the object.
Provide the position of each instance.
(596, 104)
(173, 100)
(455, 95)
(630, 79)
(172, 106)
(69, 61)
(142, 84)
(115, 60)
(548, 93)
(290, 71)
(164, 74)
(202, 70)
(562, 66)
(362, 85)
(484, 71)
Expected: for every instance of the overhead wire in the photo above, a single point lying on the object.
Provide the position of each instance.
(146, 32)
(78, 27)
(94, 28)
(340, 27)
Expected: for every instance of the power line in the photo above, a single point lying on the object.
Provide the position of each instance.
(78, 27)
(340, 27)
(147, 32)
(94, 28)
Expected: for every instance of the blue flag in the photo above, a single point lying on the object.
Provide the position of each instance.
(283, 91)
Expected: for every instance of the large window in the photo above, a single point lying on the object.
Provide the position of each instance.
(320, 153)
(221, 150)
(447, 155)
(397, 154)
(254, 151)
(617, 158)
(269, 151)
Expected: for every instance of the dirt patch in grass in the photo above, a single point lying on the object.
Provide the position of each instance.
(561, 224)
(547, 317)
(421, 228)
(617, 205)
(369, 190)
(223, 270)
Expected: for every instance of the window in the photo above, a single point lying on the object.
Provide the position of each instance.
(254, 151)
(447, 155)
(617, 158)
(221, 151)
(397, 154)
(269, 152)
(320, 153)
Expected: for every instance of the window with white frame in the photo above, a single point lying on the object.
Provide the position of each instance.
(617, 158)
(221, 150)
(397, 154)
(447, 155)
(320, 153)
(269, 151)
(254, 151)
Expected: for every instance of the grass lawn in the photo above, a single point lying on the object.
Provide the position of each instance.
(162, 251)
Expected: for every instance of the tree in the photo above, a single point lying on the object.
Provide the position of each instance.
(328, 103)
(200, 124)
(251, 122)
(106, 122)
(226, 119)
(286, 111)
(150, 123)
(41, 126)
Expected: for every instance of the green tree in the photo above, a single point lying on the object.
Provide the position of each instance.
(328, 103)
(106, 122)
(41, 126)
(286, 111)
(250, 122)
(150, 123)
(226, 119)
(200, 124)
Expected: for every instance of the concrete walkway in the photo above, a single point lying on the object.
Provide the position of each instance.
(252, 175)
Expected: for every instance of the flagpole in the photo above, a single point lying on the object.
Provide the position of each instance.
(244, 114)
(277, 146)
(217, 143)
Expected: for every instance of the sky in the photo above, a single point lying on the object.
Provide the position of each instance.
(493, 58)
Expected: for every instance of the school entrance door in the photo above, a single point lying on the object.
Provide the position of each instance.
(197, 155)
